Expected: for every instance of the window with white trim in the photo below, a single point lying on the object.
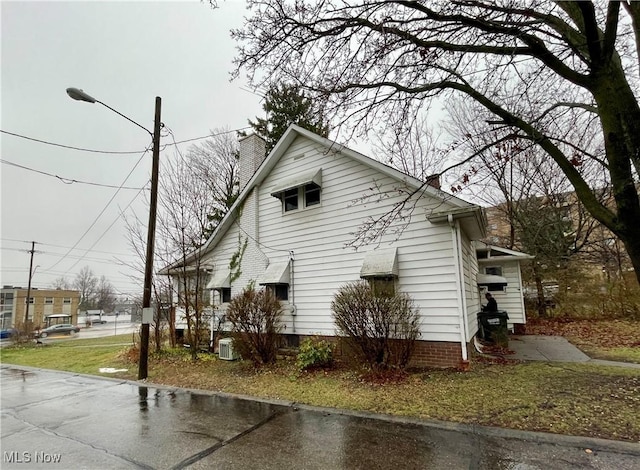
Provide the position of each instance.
(300, 191)
(290, 200)
(66, 300)
(311, 195)
(48, 300)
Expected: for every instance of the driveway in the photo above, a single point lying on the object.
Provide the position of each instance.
(61, 420)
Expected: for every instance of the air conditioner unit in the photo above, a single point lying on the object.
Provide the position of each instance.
(225, 349)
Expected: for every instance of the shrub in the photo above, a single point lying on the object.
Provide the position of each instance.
(381, 328)
(314, 353)
(256, 318)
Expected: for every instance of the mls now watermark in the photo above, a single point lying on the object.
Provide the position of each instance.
(31, 457)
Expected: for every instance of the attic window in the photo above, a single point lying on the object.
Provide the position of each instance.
(303, 190)
(290, 200)
(311, 194)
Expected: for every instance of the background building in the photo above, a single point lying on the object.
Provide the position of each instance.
(46, 306)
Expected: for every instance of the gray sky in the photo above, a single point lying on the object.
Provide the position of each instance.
(124, 54)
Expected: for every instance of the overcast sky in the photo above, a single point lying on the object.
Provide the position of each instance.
(124, 54)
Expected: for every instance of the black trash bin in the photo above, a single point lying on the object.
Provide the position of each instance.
(493, 327)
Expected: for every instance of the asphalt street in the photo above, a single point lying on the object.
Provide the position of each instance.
(69, 421)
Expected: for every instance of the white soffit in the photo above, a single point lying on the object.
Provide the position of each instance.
(486, 279)
(314, 176)
(276, 273)
(380, 263)
(220, 279)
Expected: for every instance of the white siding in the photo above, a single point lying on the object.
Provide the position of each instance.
(472, 292)
(511, 300)
(318, 237)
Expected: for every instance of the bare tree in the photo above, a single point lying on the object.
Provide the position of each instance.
(105, 295)
(195, 191)
(61, 283)
(215, 162)
(549, 71)
(87, 284)
(186, 203)
(412, 150)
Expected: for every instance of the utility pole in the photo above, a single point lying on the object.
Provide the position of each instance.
(80, 95)
(151, 230)
(26, 312)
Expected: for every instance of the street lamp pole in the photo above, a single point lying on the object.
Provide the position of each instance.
(80, 95)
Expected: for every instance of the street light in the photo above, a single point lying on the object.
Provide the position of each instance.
(80, 95)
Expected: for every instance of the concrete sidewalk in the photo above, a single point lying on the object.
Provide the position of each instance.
(553, 349)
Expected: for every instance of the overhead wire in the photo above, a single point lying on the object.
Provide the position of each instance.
(112, 152)
(100, 214)
(66, 180)
(105, 231)
(62, 246)
(46, 142)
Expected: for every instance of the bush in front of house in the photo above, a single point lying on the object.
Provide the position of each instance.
(314, 353)
(256, 319)
(383, 329)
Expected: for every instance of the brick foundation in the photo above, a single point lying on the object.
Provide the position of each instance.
(426, 353)
(437, 354)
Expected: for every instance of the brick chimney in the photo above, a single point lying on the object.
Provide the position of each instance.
(434, 180)
(252, 154)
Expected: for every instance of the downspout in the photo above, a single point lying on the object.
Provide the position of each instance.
(455, 237)
(292, 291)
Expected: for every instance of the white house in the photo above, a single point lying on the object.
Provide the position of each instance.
(293, 226)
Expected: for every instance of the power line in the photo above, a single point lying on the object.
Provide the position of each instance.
(62, 246)
(210, 135)
(105, 231)
(100, 214)
(66, 180)
(111, 152)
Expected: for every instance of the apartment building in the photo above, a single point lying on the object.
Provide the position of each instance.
(46, 306)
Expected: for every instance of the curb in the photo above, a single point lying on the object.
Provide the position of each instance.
(591, 443)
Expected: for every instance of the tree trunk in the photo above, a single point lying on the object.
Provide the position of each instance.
(542, 305)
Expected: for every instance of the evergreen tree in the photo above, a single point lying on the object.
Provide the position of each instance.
(284, 105)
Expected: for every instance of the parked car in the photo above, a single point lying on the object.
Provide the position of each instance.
(61, 329)
(7, 333)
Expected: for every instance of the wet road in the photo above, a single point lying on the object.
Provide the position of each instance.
(60, 420)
